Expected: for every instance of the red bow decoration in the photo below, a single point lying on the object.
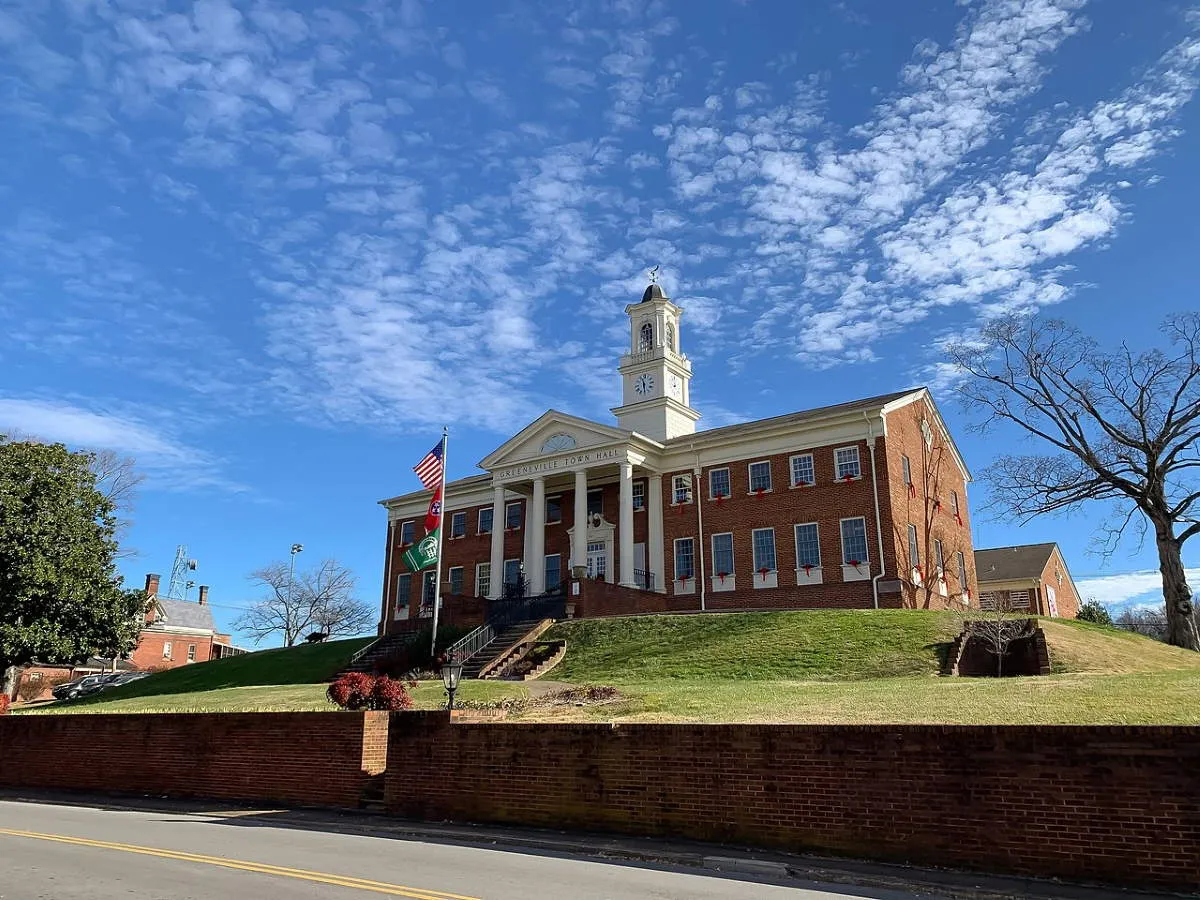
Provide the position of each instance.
(722, 576)
(720, 498)
(763, 572)
(807, 569)
(937, 505)
(912, 489)
(958, 518)
(679, 506)
(855, 563)
(683, 580)
(920, 572)
(803, 482)
(758, 492)
(848, 478)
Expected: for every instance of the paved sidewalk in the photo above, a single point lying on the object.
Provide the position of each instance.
(778, 868)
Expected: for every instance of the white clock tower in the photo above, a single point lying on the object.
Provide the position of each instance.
(655, 376)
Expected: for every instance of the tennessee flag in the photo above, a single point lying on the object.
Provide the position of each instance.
(435, 511)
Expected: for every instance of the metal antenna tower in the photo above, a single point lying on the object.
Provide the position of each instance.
(177, 589)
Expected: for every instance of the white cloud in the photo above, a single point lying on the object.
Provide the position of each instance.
(1142, 588)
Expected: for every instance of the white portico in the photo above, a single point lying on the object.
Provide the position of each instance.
(561, 455)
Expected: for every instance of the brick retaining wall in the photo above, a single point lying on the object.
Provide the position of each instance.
(1114, 804)
(310, 759)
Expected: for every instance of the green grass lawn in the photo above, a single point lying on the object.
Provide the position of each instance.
(834, 666)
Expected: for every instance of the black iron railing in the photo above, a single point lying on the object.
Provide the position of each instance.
(643, 579)
(504, 612)
(470, 644)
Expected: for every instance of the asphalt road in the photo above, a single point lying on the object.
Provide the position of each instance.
(60, 852)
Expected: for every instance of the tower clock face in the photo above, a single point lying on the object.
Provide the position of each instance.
(676, 386)
(644, 384)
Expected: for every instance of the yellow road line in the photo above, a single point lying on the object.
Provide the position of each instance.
(362, 884)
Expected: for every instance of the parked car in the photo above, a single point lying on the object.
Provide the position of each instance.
(123, 678)
(81, 687)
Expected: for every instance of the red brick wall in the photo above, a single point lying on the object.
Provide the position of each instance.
(319, 759)
(1065, 597)
(1117, 804)
(936, 477)
(148, 654)
(826, 502)
(597, 599)
(46, 677)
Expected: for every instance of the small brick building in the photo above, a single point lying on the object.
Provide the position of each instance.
(1028, 577)
(857, 505)
(178, 632)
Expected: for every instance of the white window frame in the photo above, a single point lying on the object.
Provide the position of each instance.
(462, 577)
(507, 506)
(812, 467)
(639, 495)
(729, 582)
(479, 520)
(504, 571)
(403, 599)
(750, 476)
(914, 550)
(691, 577)
(549, 521)
(483, 582)
(712, 495)
(813, 574)
(454, 518)
(837, 464)
(595, 492)
(939, 557)
(429, 577)
(681, 483)
(862, 571)
(771, 578)
(954, 508)
(191, 653)
(411, 523)
(906, 469)
(168, 649)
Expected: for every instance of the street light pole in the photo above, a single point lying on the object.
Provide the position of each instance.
(296, 548)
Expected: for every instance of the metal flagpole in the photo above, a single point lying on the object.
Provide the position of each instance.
(437, 584)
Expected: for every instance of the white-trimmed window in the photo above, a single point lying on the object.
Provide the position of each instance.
(962, 570)
(639, 496)
(685, 558)
(914, 549)
(646, 336)
(808, 546)
(939, 557)
(403, 593)
(458, 524)
(954, 505)
(512, 571)
(760, 476)
(595, 503)
(167, 649)
(483, 579)
(803, 472)
(846, 460)
(485, 520)
(718, 483)
(906, 469)
(553, 510)
(722, 551)
(428, 589)
(512, 515)
(407, 530)
(681, 489)
(854, 542)
(191, 652)
(456, 579)
(763, 544)
(553, 571)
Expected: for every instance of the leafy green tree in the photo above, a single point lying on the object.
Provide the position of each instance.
(1095, 612)
(61, 599)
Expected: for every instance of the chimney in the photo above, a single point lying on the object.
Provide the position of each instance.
(203, 594)
(152, 585)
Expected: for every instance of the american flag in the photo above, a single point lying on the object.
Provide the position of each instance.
(429, 469)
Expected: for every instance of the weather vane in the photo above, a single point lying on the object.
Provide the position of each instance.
(654, 275)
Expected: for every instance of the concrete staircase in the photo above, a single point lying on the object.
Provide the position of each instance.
(509, 644)
(365, 659)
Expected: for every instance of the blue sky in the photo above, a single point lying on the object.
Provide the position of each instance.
(270, 250)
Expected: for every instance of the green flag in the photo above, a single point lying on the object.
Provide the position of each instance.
(423, 553)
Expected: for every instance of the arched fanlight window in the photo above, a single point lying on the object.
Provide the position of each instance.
(671, 335)
(647, 337)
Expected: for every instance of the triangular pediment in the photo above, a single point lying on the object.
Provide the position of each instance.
(551, 434)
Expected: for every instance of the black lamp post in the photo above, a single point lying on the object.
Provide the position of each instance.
(451, 673)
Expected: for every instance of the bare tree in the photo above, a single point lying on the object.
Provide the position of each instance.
(1151, 623)
(997, 626)
(1123, 428)
(320, 599)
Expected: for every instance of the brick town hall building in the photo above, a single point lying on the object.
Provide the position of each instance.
(857, 505)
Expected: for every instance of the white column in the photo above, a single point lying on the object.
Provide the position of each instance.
(535, 563)
(497, 557)
(625, 526)
(654, 512)
(580, 548)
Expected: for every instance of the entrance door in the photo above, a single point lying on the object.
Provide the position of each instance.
(597, 560)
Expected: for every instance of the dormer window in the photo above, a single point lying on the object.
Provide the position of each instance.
(646, 341)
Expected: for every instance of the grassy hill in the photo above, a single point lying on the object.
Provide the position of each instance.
(830, 666)
(821, 645)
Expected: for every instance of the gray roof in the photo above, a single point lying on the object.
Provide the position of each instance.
(795, 418)
(1012, 563)
(184, 614)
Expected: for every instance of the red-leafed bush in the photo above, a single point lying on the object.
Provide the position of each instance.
(3, 704)
(357, 690)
